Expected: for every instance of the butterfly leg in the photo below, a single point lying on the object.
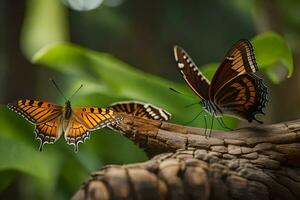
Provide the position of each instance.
(205, 126)
(212, 124)
(192, 104)
(226, 125)
(223, 125)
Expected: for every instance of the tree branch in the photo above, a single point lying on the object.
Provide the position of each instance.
(250, 163)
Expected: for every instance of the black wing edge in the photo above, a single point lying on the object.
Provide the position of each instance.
(262, 99)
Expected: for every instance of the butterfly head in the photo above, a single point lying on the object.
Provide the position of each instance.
(68, 104)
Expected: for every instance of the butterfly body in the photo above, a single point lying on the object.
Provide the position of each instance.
(67, 111)
(234, 90)
(51, 120)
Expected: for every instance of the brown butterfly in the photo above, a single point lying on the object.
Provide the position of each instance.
(52, 120)
(140, 109)
(234, 89)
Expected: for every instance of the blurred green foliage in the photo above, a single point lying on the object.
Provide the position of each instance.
(271, 49)
(57, 171)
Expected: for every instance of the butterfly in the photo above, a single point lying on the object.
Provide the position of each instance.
(234, 90)
(52, 120)
(140, 109)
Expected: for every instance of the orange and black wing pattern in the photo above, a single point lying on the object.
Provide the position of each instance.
(140, 109)
(191, 74)
(36, 112)
(244, 97)
(85, 119)
(76, 133)
(49, 132)
(239, 60)
(94, 118)
(45, 115)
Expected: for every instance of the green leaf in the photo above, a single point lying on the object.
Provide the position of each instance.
(105, 74)
(271, 49)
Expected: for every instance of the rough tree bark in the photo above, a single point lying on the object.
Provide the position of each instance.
(260, 162)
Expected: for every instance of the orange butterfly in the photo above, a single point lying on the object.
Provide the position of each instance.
(52, 120)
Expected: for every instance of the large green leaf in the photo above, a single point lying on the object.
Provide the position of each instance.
(270, 50)
(105, 74)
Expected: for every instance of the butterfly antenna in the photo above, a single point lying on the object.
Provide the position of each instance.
(77, 91)
(186, 106)
(56, 86)
(211, 126)
(176, 91)
(205, 126)
(222, 123)
(192, 104)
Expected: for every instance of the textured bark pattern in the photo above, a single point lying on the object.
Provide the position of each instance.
(251, 163)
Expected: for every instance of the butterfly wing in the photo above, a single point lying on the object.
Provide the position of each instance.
(49, 132)
(191, 74)
(140, 109)
(239, 60)
(36, 112)
(45, 115)
(85, 119)
(76, 133)
(244, 96)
